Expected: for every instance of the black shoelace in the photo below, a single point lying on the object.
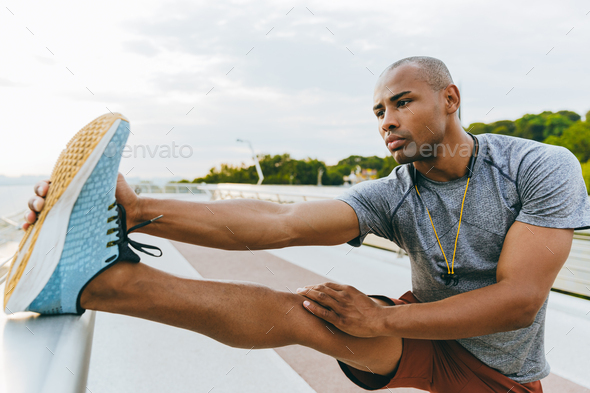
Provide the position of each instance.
(123, 233)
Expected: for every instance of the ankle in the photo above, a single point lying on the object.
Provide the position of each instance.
(107, 286)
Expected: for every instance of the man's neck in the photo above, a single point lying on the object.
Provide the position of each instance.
(451, 162)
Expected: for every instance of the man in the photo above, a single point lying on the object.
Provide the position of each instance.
(505, 209)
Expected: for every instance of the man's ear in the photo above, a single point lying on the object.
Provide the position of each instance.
(452, 98)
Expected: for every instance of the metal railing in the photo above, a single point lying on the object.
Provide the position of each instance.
(10, 235)
(574, 277)
(280, 194)
(45, 354)
(41, 353)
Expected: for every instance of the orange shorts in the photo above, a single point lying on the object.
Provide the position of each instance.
(438, 366)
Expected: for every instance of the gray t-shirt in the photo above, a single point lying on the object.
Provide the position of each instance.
(513, 179)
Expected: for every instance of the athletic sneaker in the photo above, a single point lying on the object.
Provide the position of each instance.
(81, 230)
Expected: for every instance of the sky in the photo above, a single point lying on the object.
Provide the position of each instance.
(291, 77)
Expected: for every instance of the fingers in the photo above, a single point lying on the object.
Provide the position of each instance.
(36, 204)
(321, 312)
(323, 288)
(41, 188)
(334, 290)
(337, 287)
(323, 295)
(331, 285)
(30, 217)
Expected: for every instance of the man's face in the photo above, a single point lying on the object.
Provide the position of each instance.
(411, 111)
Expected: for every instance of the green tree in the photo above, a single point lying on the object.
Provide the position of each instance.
(479, 128)
(333, 176)
(282, 169)
(530, 127)
(556, 124)
(277, 169)
(572, 116)
(586, 174)
(504, 127)
(230, 174)
(576, 138)
(388, 164)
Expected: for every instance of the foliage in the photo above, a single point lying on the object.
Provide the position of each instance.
(576, 138)
(282, 169)
(586, 174)
(563, 128)
(277, 169)
(384, 166)
(530, 126)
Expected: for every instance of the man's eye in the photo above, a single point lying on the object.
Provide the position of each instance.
(379, 114)
(400, 101)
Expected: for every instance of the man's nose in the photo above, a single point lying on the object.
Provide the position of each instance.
(390, 122)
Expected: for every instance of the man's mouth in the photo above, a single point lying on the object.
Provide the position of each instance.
(394, 143)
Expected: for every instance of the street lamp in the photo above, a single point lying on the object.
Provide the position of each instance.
(256, 163)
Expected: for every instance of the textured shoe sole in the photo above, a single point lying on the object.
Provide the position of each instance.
(68, 165)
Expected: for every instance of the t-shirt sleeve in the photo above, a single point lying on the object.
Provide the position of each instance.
(552, 190)
(372, 201)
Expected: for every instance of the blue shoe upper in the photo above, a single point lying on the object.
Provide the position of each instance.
(85, 252)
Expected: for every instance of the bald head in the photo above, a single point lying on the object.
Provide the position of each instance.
(433, 71)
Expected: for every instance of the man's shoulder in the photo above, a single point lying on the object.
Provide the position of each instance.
(399, 179)
(516, 155)
(506, 145)
(397, 182)
(510, 145)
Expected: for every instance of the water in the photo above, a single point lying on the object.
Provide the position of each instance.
(14, 199)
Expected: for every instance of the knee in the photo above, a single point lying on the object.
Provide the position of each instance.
(306, 328)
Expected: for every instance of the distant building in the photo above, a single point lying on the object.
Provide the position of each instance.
(359, 175)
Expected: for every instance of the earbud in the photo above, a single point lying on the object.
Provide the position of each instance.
(450, 277)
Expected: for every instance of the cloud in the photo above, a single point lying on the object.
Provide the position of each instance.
(45, 60)
(296, 80)
(142, 47)
(8, 83)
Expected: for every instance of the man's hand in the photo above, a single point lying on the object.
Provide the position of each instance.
(124, 195)
(346, 308)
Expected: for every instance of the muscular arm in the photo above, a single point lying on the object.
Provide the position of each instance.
(530, 260)
(241, 224)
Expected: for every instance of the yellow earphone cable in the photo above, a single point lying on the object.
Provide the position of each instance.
(459, 228)
(452, 269)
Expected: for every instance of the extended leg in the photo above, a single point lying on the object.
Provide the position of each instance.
(238, 314)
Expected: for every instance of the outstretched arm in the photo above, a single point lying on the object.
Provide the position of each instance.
(531, 258)
(239, 224)
(243, 224)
